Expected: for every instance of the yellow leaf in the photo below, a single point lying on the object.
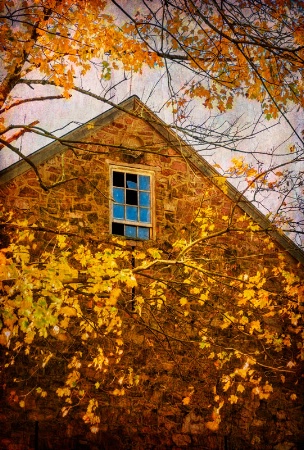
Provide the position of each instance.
(61, 239)
(68, 311)
(213, 426)
(140, 255)
(267, 387)
(244, 320)
(131, 282)
(222, 183)
(183, 301)
(195, 290)
(227, 386)
(253, 227)
(155, 253)
(255, 325)
(115, 293)
(118, 392)
(64, 411)
(242, 372)
(22, 404)
(233, 399)
(186, 400)
(203, 298)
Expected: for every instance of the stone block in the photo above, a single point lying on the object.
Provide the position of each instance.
(182, 440)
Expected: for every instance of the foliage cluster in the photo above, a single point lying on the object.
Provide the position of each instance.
(68, 303)
(73, 304)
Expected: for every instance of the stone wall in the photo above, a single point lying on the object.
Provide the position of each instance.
(152, 415)
(84, 202)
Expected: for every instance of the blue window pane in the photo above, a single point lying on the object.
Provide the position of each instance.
(143, 233)
(144, 215)
(132, 213)
(119, 195)
(130, 231)
(144, 182)
(144, 199)
(131, 185)
(118, 212)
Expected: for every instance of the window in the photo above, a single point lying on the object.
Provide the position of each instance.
(132, 204)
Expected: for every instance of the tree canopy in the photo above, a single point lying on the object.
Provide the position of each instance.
(254, 49)
(69, 300)
(224, 51)
(249, 48)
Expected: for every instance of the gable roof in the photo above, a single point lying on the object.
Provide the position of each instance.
(134, 106)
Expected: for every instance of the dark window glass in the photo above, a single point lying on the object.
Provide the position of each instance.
(118, 228)
(119, 179)
(131, 197)
(131, 181)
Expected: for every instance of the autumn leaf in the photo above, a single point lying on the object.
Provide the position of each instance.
(213, 426)
(183, 301)
(233, 399)
(186, 400)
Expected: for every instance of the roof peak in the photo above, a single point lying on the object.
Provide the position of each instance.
(128, 106)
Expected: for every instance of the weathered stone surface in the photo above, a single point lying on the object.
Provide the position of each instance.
(284, 446)
(193, 424)
(182, 440)
(153, 417)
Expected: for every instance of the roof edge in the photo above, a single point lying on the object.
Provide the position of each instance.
(48, 151)
(132, 104)
(209, 171)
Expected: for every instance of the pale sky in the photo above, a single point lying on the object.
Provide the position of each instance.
(152, 88)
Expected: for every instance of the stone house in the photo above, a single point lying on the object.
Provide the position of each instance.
(125, 173)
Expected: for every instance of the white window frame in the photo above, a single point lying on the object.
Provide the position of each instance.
(135, 170)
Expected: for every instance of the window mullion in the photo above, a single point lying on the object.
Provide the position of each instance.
(132, 205)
